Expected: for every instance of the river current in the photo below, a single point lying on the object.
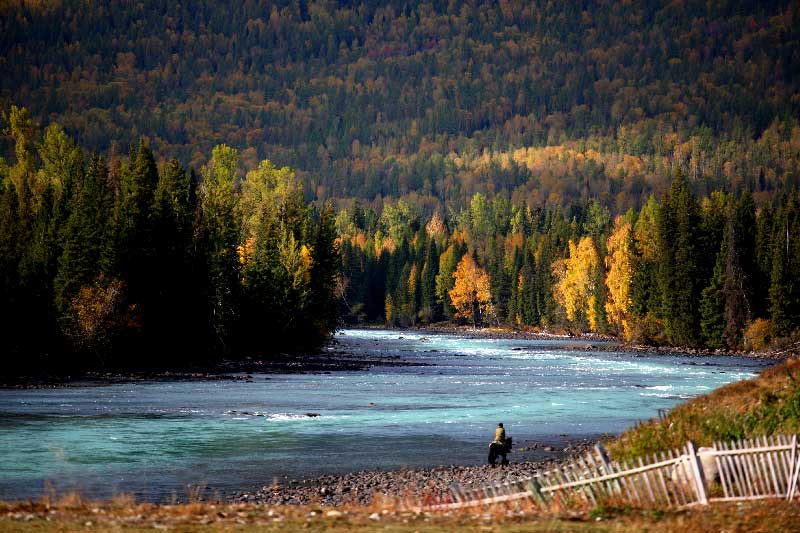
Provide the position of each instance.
(161, 440)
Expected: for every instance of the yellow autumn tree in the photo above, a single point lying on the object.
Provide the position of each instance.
(471, 296)
(619, 263)
(576, 283)
(388, 305)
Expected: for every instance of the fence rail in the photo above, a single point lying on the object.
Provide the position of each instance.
(765, 467)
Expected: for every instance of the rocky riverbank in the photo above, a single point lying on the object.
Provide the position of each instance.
(361, 488)
(600, 343)
(330, 360)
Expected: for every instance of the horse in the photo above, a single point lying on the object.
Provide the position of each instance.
(497, 449)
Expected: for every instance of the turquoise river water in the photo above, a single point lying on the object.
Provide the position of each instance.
(155, 439)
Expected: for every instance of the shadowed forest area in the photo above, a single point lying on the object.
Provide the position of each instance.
(121, 264)
(184, 180)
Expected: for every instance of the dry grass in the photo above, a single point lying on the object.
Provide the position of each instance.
(73, 513)
(766, 405)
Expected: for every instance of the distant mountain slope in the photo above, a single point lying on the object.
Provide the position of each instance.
(383, 99)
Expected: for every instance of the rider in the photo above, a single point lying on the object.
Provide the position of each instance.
(500, 434)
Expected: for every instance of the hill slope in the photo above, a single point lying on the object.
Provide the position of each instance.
(382, 99)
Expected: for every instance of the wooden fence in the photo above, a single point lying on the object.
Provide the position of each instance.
(767, 467)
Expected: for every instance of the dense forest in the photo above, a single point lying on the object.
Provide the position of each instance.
(121, 264)
(548, 102)
(712, 271)
(618, 167)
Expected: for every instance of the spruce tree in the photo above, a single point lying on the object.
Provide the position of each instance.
(740, 269)
(430, 307)
(784, 291)
(84, 233)
(11, 295)
(218, 238)
(679, 272)
(712, 302)
(323, 301)
(173, 289)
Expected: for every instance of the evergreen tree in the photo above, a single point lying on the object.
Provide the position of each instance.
(740, 269)
(763, 258)
(784, 291)
(448, 262)
(430, 308)
(84, 234)
(219, 228)
(11, 295)
(323, 304)
(173, 290)
(712, 302)
(679, 271)
(644, 293)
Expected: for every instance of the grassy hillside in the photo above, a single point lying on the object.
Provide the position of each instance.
(766, 405)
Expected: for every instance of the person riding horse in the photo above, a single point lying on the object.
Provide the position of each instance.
(500, 434)
(501, 446)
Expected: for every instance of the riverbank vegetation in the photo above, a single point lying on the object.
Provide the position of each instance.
(102, 259)
(766, 405)
(716, 271)
(122, 263)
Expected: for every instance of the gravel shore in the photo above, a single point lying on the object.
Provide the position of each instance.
(361, 487)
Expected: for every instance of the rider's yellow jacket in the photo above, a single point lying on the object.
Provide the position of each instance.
(500, 435)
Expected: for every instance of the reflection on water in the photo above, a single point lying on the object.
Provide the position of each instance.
(155, 438)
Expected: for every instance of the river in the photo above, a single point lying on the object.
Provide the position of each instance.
(158, 439)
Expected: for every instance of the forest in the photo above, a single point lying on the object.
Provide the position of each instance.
(214, 175)
(714, 271)
(549, 102)
(124, 264)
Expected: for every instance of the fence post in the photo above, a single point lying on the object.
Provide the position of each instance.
(790, 490)
(535, 488)
(608, 466)
(697, 473)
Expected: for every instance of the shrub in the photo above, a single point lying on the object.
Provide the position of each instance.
(647, 330)
(757, 335)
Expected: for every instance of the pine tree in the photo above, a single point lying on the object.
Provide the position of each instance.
(173, 289)
(430, 308)
(219, 227)
(712, 302)
(84, 233)
(763, 258)
(644, 293)
(784, 291)
(11, 295)
(679, 272)
(323, 303)
(448, 262)
(740, 269)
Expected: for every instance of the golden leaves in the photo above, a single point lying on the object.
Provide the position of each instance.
(577, 281)
(619, 263)
(471, 295)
